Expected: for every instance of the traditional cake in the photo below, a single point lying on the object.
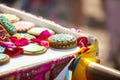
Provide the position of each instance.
(62, 41)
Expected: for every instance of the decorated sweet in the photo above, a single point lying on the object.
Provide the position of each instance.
(13, 18)
(4, 58)
(33, 48)
(7, 24)
(62, 41)
(2, 49)
(3, 34)
(23, 26)
(37, 30)
(24, 35)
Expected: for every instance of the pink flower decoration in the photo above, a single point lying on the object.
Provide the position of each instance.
(44, 43)
(40, 42)
(14, 39)
(19, 42)
(7, 44)
(35, 40)
(44, 35)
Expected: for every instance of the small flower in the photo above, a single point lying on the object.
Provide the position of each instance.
(41, 39)
(19, 42)
(44, 35)
(45, 43)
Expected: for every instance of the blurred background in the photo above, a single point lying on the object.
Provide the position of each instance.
(99, 18)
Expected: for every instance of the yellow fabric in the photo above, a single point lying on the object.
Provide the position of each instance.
(85, 58)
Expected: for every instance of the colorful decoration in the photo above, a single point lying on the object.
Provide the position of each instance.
(7, 44)
(39, 72)
(33, 48)
(44, 35)
(7, 24)
(42, 38)
(82, 60)
(19, 42)
(13, 52)
(24, 35)
(2, 56)
(62, 37)
(2, 49)
(37, 30)
(82, 42)
(41, 42)
(23, 26)
(13, 18)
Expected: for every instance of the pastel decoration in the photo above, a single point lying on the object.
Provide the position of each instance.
(2, 49)
(62, 37)
(2, 56)
(33, 48)
(40, 42)
(44, 35)
(30, 47)
(7, 24)
(13, 18)
(42, 38)
(7, 44)
(62, 41)
(37, 30)
(24, 35)
(23, 26)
